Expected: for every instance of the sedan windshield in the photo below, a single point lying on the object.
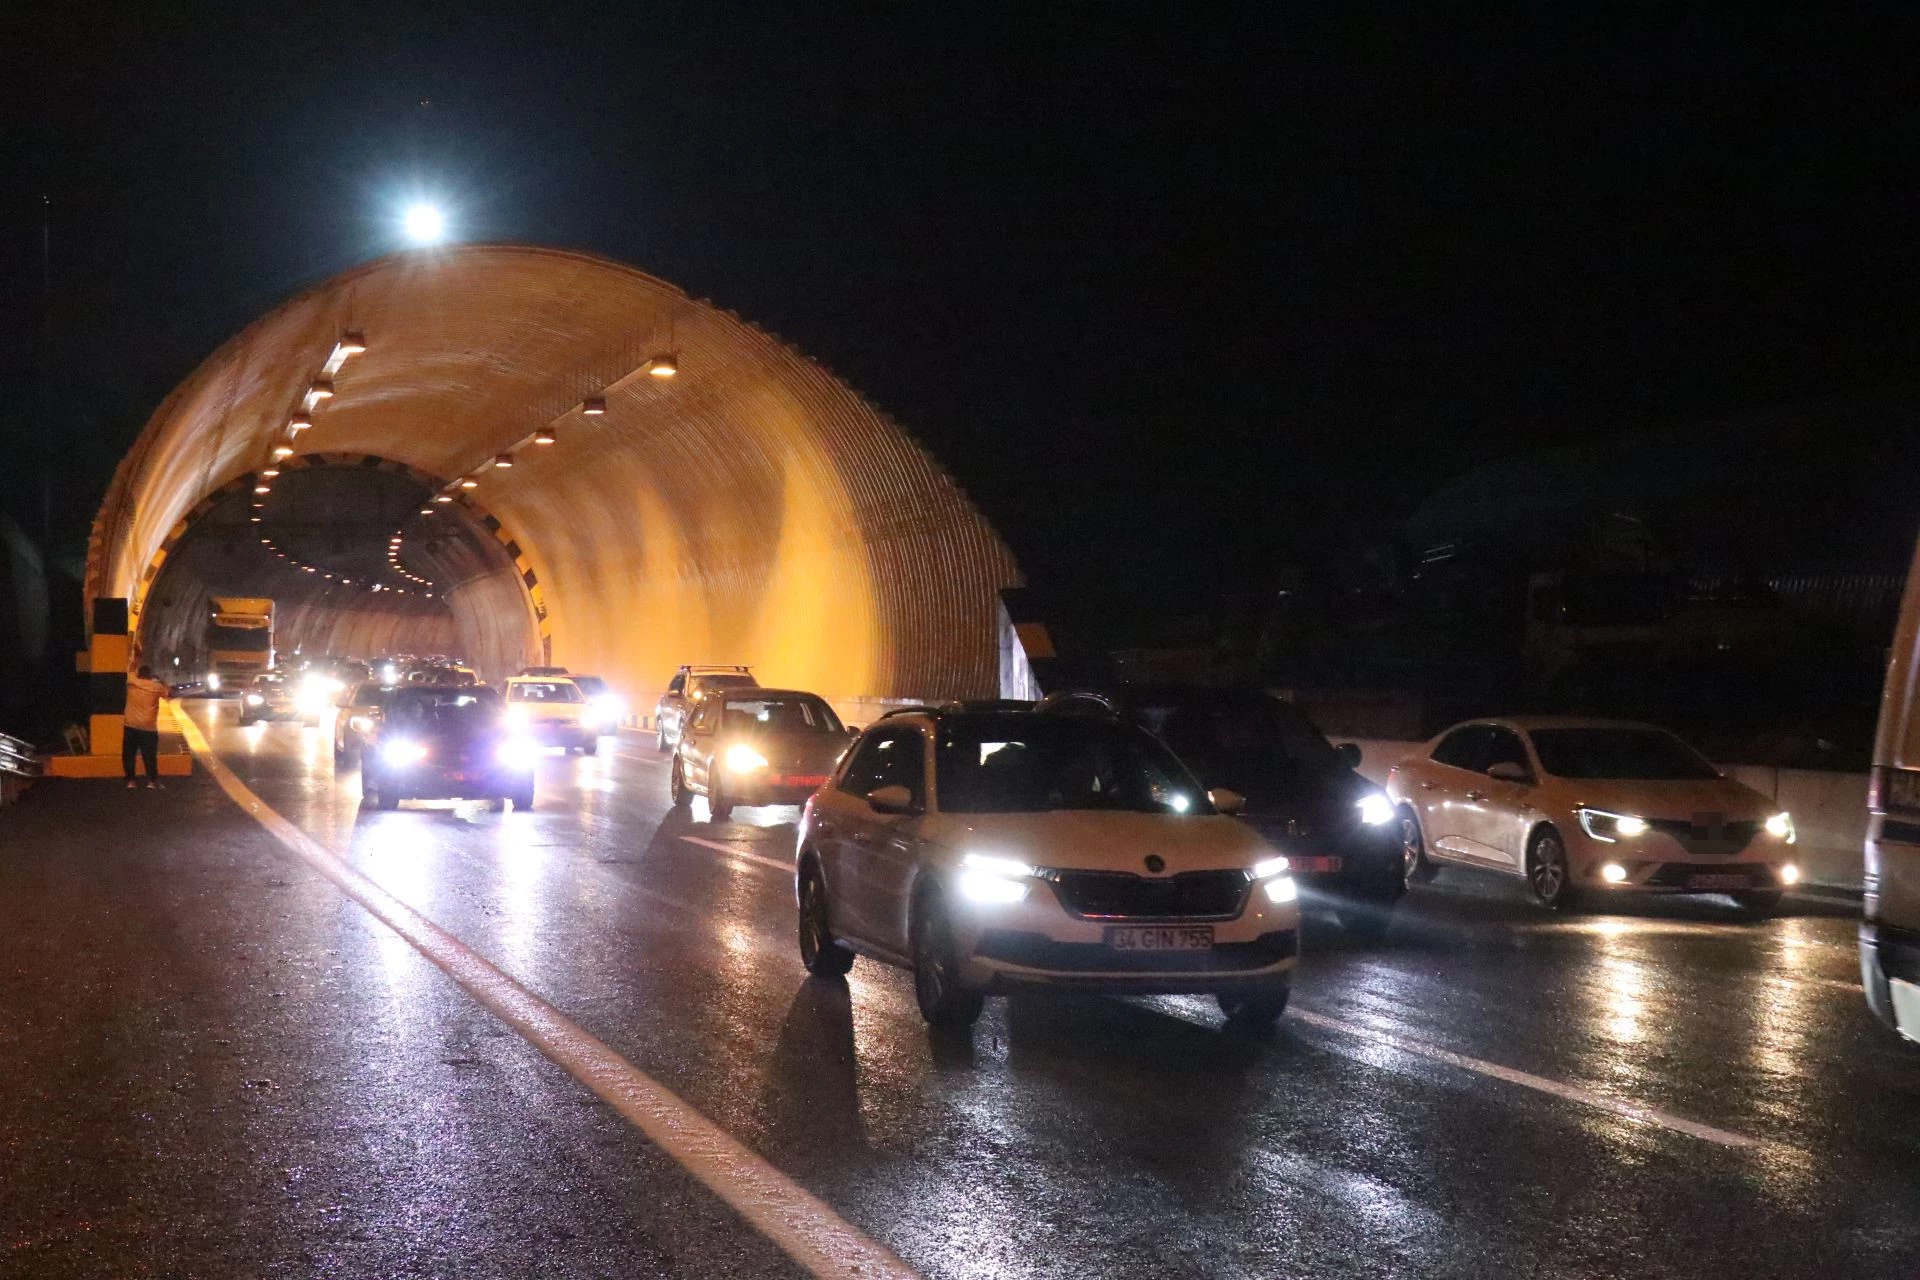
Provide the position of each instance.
(1041, 763)
(1634, 755)
(780, 713)
(544, 691)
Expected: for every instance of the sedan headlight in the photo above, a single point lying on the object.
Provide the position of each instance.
(1271, 874)
(255, 700)
(517, 715)
(742, 758)
(361, 724)
(1375, 810)
(996, 881)
(1780, 827)
(1610, 828)
(402, 753)
(213, 682)
(518, 753)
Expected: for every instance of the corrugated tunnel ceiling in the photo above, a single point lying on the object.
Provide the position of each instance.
(749, 508)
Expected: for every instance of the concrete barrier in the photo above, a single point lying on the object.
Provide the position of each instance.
(1829, 809)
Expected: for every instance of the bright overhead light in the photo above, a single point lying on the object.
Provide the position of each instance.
(664, 365)
(322, 389)
(352, 342)
(263, 488)
(544, 436)
(593, 406)
(424, 223)
(281, 452)
(426, 511)
(297, 423)
(503, 460)
(444, 497)
(469, 483)
(270, 472)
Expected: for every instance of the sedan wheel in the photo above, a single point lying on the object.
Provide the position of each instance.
(1549, 875)
(820, 951)
(660, 741)
(1413, 850)
(677, 787)
(944, 1001)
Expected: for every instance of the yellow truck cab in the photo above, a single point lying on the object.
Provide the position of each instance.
(1890, 924)
(239, 641)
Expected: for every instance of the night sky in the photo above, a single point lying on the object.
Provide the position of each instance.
(1175, 291)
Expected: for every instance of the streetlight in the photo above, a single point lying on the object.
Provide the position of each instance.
(424, 223)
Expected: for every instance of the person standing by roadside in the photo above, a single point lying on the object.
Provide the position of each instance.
(141, 731)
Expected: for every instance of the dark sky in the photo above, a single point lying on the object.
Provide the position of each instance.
(1171, 288)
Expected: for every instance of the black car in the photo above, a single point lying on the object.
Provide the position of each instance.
(1302, 792)
(446, 743)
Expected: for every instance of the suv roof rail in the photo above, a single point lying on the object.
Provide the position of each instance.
(713, 666)
(910, 711)
(1078, 702)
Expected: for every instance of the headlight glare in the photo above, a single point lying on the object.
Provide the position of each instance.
(1780, 827)
(742, 758)
(1269, 867)
(519, 753)
(1789, 874)
(1375, 810)
(1611, 828)
(402, 753)
(1281, 889)
(988, 879)
(255, 700)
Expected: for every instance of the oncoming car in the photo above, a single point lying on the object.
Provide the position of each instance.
(1585, 807)
(553, 712)
(446, 744)
(756, 747)
(991, 852)
(268, 696)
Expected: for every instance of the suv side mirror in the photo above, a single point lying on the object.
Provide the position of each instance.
(1227, 801)
(1508, 771)
(891, 800)
(1350, 754)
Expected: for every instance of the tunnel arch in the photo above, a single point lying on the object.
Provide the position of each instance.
(750, 507)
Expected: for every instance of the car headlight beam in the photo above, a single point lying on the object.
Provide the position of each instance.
(403, 752)
(742, 758)
(1375, 809)
(1780, 827)
(993, 881)
(1611, 828)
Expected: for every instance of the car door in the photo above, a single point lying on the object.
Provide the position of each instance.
(1493, 812)
(1437, 788)
(666, 711)
(850, 836)
(697, 747)
(886, 845)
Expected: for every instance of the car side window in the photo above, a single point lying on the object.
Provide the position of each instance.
(1467, 748)
(1504, 747)
(703, 718)
(891, 758)
(678, 684)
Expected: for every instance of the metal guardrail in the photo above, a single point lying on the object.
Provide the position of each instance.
(17, 758)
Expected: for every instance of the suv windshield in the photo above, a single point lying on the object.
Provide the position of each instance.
(1236, 740)
(544, 691)
(780, 713)
(1639, 755)
(1040, 763)
(706, 684)
(443, 708)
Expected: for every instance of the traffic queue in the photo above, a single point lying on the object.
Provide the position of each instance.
(1143, 838)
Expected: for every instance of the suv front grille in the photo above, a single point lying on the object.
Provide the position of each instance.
(1717, 838)
(1121, 895)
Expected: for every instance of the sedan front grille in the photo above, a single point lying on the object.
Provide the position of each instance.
(1711, 837)
(1121, 895)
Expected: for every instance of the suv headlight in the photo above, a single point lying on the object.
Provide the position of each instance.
(1780, 827)
(1375, 810)
(999, 881)
(1611, 828)
(518, 753)
(1271, 875)
(402, 753)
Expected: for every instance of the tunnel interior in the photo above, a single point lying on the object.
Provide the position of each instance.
(617, 478)
(359, 560)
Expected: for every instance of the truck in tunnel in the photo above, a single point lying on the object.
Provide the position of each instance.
(239, 641)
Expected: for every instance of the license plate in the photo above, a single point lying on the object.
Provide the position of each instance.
(1906, 1008)
(1314, 864)
(1160, 937)
(1719, 882)
(800, 780)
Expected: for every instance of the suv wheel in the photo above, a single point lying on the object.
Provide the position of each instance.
(660, 740)
(822, 953)
(945, 1001)
(719, 808)
(677, 787)
(1549, 875)
(1256, 1006)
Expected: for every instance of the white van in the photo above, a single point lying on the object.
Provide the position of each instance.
(1890, 929)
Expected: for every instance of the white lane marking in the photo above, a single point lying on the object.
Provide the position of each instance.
(1527, 1080)
(793, 1218)
(786, 868)
(639, 759)
(1791, 980)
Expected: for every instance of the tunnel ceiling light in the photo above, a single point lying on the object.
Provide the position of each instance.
(282, 451)
(593, 406)
(297, 423)
(263, 488)
(469, 483)
(444, 497)
(352, 342)
(664, 365)
(322, 389)
(426, 511)
(544, 436)
(270, 472)
(256, 520)
(503, 460)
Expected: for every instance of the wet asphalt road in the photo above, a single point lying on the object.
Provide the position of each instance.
(216, 1064)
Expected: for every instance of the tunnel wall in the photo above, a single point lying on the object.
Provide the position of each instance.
(752, 509)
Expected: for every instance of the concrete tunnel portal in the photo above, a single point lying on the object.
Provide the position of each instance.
(680, 486)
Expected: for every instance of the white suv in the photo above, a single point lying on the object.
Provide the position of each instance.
(993, 851)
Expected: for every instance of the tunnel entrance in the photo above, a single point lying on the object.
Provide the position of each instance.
(359, 560)
(618, 478)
